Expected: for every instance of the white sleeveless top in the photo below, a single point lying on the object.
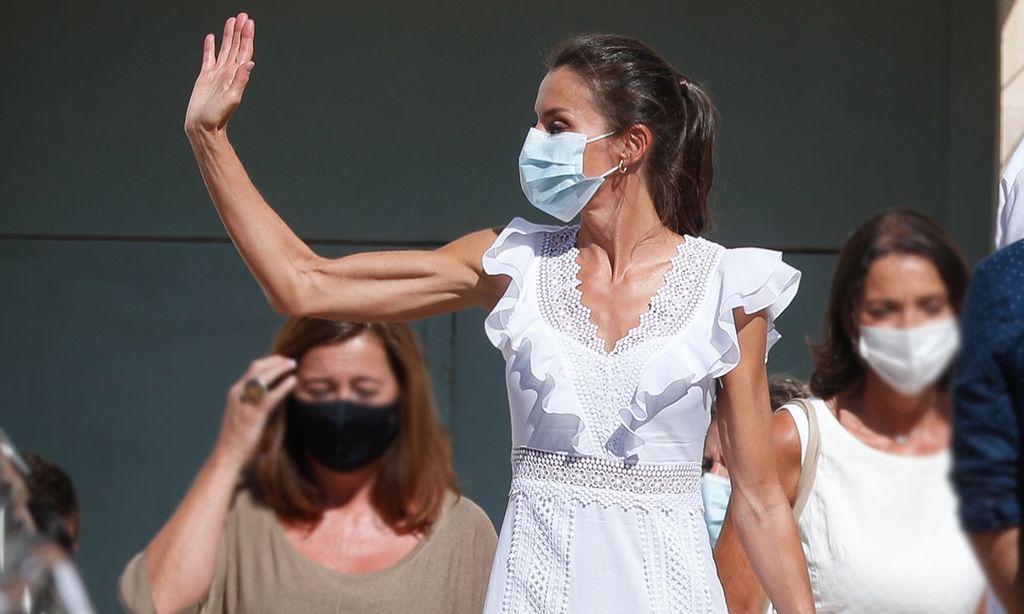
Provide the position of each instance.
(605, 513)
(880, 530)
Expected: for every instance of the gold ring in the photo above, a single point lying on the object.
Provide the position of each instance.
(253, 391)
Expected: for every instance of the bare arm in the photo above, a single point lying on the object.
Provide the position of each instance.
(384, 286)
(182, 557)
(759, 510)
(743, 591)
(999, 553)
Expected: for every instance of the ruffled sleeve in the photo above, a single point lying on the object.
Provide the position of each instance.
(756, 280)
(513, 254)
(708, 348)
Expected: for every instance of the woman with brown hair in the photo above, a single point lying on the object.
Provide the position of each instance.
(618, 333)
(330, 488)
(865, 462)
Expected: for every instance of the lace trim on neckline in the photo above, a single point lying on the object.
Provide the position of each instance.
(671, 307)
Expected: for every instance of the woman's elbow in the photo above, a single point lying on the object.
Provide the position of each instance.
(754, 507)
(292, 298)
(286, 306)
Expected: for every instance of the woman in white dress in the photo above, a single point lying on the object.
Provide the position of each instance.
(618, 333)
(867, 465)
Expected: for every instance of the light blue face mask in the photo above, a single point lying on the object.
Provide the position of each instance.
(715, 490)
(551, 172)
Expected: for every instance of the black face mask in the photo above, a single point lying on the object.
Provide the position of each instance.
(341, 435)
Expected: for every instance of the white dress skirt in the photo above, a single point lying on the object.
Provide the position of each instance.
(605, 512)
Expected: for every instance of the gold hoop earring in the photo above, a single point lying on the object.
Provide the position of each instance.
(622, 167)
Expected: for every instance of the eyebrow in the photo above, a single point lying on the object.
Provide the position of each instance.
(317, 380)
(555, 111)
(367, 379)
(887, 300)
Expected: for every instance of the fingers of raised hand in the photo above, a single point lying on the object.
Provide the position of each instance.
(236, 37)
(265, 383)
(225, 41)
(265, 364)
(274, 372)
(240, 79)
(280, 391)
(248, 36)
(245, 415)
(209, 44)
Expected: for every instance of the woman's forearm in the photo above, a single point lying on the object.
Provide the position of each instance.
(999, 554)
(367, 287)
(769, 536)
(759, 508)
(182, 558)
(743, 592)
(276, 256)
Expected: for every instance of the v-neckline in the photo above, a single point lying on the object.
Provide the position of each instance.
(597, 340)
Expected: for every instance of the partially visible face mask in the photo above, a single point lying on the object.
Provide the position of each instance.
(551, 172)
(341, 435)
(715, 490)
(910, 359)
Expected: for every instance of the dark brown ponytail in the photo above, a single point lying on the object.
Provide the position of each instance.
(633, 84)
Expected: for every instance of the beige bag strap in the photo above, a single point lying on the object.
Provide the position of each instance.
(810, 462)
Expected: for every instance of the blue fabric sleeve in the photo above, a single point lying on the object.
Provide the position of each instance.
(986, 424)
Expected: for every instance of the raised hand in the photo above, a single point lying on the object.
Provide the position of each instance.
(222, 78)
(245, 416)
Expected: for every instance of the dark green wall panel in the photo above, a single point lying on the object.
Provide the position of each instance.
(481, 428)
(402, 121)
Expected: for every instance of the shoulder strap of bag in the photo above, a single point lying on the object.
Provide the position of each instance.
(810, 462)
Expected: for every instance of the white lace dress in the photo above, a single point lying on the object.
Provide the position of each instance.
(605, 512)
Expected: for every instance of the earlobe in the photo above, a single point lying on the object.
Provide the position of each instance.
(638, 140)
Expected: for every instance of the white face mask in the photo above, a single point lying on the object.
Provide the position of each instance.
(910, 359)
(551, 172)
(715, 490)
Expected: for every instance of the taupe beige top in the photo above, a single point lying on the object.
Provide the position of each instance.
(259, 571)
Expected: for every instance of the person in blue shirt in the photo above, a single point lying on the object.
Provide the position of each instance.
(988, 399)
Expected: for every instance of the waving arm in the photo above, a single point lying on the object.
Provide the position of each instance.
(383, 286)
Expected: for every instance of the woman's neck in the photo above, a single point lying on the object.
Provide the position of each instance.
(621, 227)
(349, 489)
(887, 412)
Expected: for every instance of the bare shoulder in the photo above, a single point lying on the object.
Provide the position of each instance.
(785, 436)
(786, 443)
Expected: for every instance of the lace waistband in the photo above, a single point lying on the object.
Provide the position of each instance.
(604, 474)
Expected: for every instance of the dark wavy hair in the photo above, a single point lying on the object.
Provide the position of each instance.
(837, 365)
(633, 84)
